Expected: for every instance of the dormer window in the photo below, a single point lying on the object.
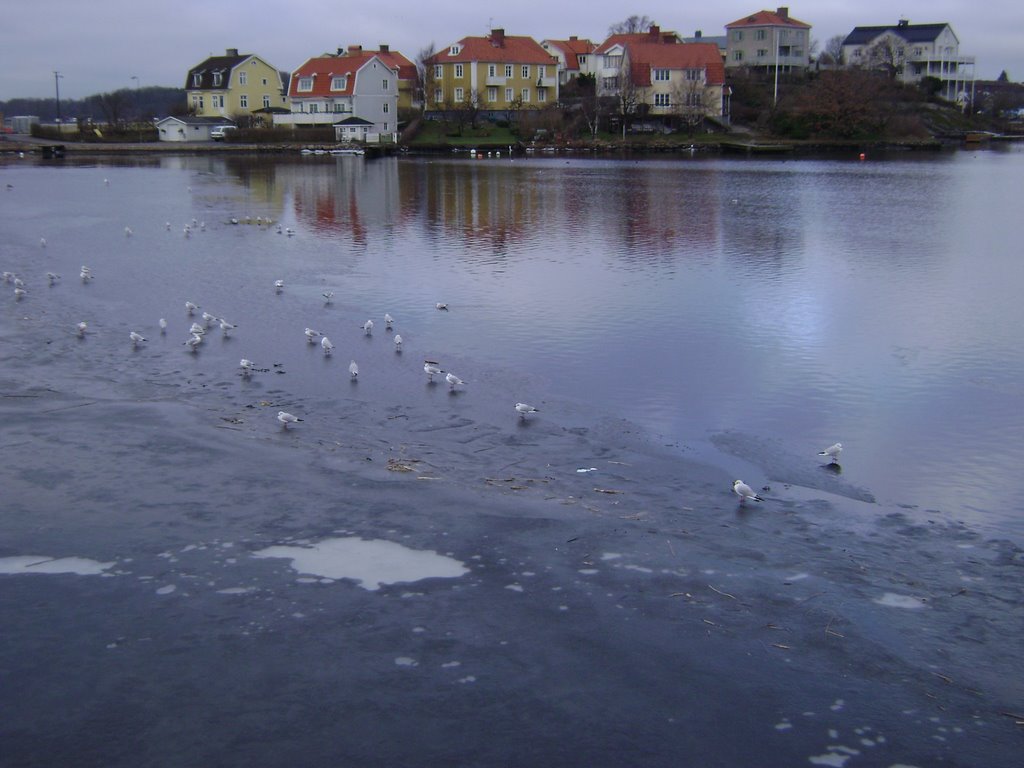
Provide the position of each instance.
(197, 80)
(216, 79)
(455, 50)
(305, 84)
(339, 83)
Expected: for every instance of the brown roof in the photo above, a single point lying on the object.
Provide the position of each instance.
(214, 64)
(653, 36)
(497, 47)
(769, 19)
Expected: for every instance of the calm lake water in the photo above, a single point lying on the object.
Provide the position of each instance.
(791, 302)
(218, 589)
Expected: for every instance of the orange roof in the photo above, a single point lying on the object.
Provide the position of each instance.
(643, 57)
(499, 47)
(324, 68)
(768, 19)
(653, 36)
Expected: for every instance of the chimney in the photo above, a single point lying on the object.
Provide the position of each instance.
(385, 48)
(698, 34)
(903, 23)
(783, 11)
(573, 38)
(354, 49)
(232, 52)
(654, 33)
(498, 38)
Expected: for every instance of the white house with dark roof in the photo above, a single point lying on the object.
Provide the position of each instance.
(912, 52)
(188, 127)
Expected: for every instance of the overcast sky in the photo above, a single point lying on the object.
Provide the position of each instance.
(103, 46)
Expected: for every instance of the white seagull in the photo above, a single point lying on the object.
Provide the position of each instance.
(453, 380)
(163, 325)
(194, 341)
(226, 327)
(19, 293)
(398, 342)
(190, 307)
(311, 335)
(388, 321)
(42, 242)
(522, 409)
(8, 276)
(441, 305)
(430, 367)
(326, 345)
(744, 491)
(53, 277)
(279, 285)
(127, 231)
(328, 296)
(286, 418)
(80, 329)
(353, 369)
(197, 329)
(368, 327)
(136, 338)
(208, 318)
(832, 452)
(85, 274)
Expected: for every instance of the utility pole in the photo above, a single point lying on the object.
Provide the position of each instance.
(56, 84)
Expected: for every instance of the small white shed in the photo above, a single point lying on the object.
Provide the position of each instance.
(188, 128)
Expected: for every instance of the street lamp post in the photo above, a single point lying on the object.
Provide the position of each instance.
(56, 84)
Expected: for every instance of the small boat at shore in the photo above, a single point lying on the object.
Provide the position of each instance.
(348, 151)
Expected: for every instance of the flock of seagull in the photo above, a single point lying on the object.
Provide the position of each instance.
(431, 368)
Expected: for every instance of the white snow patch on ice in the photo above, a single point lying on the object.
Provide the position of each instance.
(371, 563)
(51, 565)
(893, 600)
(405, 661)
(611, 556)
(166, 590)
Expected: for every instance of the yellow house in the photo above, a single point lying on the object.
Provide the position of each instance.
(235, 86)
(492, 74)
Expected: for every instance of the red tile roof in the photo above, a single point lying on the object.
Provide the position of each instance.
(324, 68)
(644, 57)
(496, 47)
(653, 36)
(768, 19)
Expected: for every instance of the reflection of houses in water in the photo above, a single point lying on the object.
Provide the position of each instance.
(346, 195)
(245, 186)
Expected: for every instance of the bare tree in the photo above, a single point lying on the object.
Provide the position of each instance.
(888, 54)
(113, 105)
(833, 53)
(692, 102)
(627, 98)
(631, 25)
(424, 74)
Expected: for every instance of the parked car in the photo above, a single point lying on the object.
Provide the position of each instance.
(221, 131)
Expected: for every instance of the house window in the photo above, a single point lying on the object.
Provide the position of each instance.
(509, 95)
(216, 79)
(492, 93)
(526, 71)
(338, 83)
(542, 71)
(305, 83)
(385, 127)
(508, 71)
(526, 95)
(438, 96)
(266, 102)
(243, 77)
(454, 50)
(762, 52)
(458, 70)
(460, 94)
(542, 94)
(200, 102)
(737, 34)
(661, 74)
(314, 107)
(387, 108)
(761, 34)
(737, 55)
(613, 62)
(695, 74)
(917, 51)
(492, 70)
(662, 100)
(609, 83)
(197, 80)
(385, 84)
(438, 71)
(338, 107)
(582, 60)
(264, 81)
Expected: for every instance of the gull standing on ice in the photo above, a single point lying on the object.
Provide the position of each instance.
(197, 329)
(311, 335)
(368, 327)
(247, 366)
(441, 305)
(190, 307)
(19, 293)
(85, 274)
(226, 327)
(326, 345)
(353, 369)
(53, 277)
(522, 409)
(194, 341)
(398, 342)
(744, 491)
(832, 452)
(136, 338)
(80, 329)
(431, 367)
(453, 381)
(328, 296)
(208, 318)
(278, 286)
(163, 325)
(388, 321)
(286, 418)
